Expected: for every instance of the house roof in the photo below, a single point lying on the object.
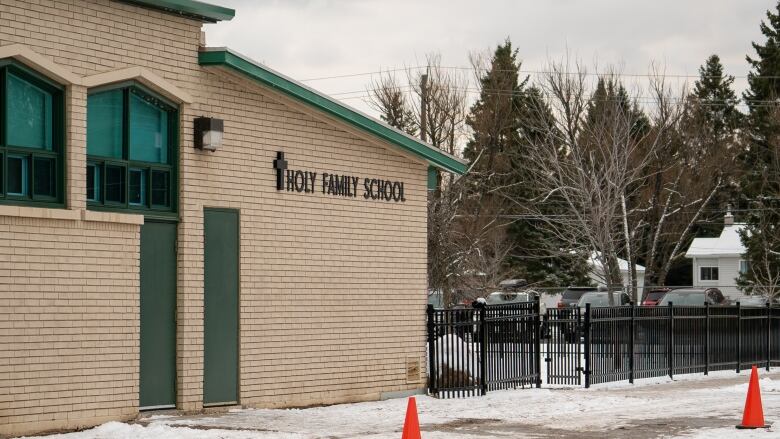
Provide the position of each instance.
(728, 243)
(622, 264)
(226, 58)
(189, 8)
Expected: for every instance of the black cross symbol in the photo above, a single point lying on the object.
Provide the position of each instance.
(280, 164)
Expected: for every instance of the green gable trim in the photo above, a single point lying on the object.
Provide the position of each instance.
(189, 8)
(226, 58)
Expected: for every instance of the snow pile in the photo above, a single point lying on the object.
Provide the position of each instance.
(456, 355)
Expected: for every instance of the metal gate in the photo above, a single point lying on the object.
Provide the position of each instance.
(475, 350)
(563, 354)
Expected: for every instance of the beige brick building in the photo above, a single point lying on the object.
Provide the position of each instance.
(139, 268)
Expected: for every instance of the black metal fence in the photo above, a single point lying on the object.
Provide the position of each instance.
(474, 350)
(628, 342)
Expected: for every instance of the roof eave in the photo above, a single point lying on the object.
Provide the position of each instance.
(220, 56)
(205, 12)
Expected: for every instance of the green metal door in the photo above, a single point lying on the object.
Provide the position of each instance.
(220, 319)
(158, 315)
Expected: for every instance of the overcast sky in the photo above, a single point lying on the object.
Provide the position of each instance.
(307, 39)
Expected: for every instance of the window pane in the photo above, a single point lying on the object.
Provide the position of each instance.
(104, 124)
(136, 187)
(93, 182)
(115, 184)
(17, 175)
(161, 188)
(45, 177)
(148, 131)
(29, 113)
(2, 179)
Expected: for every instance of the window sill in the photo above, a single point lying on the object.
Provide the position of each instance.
(70, 215)
(39, 212)
(112, 217)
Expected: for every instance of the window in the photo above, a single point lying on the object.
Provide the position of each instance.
(130, 150)
(708, 273)
(31, 110)
(744, 267)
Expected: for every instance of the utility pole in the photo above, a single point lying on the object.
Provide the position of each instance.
(424, 107)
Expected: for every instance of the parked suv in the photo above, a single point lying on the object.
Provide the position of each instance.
(571, 296)
(601, 298)
(652, 297)
(693, 297)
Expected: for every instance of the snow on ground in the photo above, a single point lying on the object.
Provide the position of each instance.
(691, 406)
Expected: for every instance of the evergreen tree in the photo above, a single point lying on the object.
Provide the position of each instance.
(388, 98)
(399, 115)
(610, 102)
(499, 175)
(760, 161)
(717, 102)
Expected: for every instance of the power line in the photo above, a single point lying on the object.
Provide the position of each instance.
(543, 72)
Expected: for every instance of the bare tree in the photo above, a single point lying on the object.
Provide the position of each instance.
(687, 172)
(443, 104)
(591, 161)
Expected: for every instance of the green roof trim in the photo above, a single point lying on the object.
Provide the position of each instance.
(226, 58)
(189, 8)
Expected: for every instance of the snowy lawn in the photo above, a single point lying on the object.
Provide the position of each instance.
(690, 406)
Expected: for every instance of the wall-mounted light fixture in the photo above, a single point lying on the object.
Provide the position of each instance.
(208, 133)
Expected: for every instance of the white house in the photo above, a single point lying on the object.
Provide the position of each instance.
(596, 273)
(717, 262)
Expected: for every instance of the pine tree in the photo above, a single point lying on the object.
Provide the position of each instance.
(760, 162)
(389, 100)
(610, 102)
(399, 115)
(716, 99)
(498, 143)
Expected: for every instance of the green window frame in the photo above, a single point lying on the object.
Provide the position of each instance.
(32, 144)
(132, 150)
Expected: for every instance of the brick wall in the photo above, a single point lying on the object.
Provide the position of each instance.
(331, 289)
(69, 323)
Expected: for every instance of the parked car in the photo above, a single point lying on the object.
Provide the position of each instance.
(653, 296)
(693, 297)
(436, 298)
(750, 301)
(601, 298)
(505, 298)
(571, 296)
(510, 297)
(572, 332)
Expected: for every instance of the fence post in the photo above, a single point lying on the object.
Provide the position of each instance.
(739, 337)
(586, 329)
(670, 347)
(768, 335)
(538, 341)
(483, 352)
(707, 340)
(631, 345)
(431, 351)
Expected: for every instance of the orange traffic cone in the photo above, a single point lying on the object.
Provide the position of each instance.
(411, 425)
(753, 417)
